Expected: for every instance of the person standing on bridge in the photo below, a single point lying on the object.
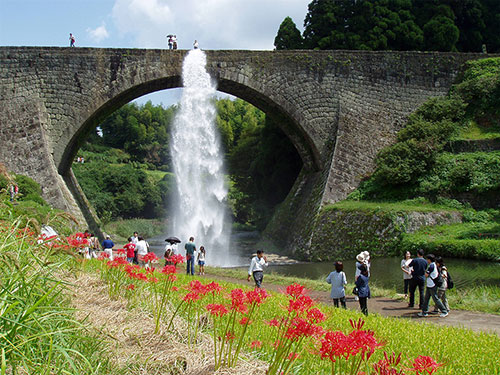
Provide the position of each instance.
(195, 44)
(71, 40)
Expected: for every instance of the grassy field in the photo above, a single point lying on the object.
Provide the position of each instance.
(462, 351)
(120, 230)
(474, 132)
(419, 205)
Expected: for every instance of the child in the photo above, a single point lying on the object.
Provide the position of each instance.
(130, 247)
(201, 260)
(338, 280)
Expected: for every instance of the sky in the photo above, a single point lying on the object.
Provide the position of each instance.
(216, 24)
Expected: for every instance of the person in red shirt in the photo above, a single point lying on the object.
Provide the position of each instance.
(130, 247)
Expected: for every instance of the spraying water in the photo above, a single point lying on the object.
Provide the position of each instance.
(200, 208)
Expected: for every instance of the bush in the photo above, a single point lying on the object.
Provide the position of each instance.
(27, 187)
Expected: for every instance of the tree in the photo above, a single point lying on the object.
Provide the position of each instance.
(288, 36)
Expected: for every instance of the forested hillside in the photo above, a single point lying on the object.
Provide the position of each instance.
(404, 25)
(128, 171)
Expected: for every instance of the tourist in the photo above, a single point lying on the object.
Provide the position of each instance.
(441, 292)
(14, 190)
(135, 239)
(360, 259)
(168, 253)
(418, 266)
(367, 261)
(363, 288)
(195, 44)
(130, 248)
(406, 272)
(201, 260)
(434, 281)
(338, 280)
(190, 248)
(107, 246)
(93, 246)
(170, 41)
(142, 250)
(71, 40)
(174, 42)
(256, 268)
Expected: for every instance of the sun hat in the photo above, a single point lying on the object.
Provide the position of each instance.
(360, 257)
(366, 254)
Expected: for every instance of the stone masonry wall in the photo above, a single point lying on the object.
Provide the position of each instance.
(337, 107)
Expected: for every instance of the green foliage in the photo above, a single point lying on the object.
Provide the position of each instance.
(28, 187)
(446, 25)
(126, 227)
(480, 88)
(122, 190)
(288, 36)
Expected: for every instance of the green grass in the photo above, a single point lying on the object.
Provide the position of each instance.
(120, 230)
(475, 132)
(419, 205)
(156, 175)
(462, 351)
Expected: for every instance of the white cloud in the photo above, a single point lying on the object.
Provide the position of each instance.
(216, 24)
(98, 34)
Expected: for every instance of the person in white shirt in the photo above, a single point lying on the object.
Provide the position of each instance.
(142, 250)
(434, 280)
(256, 268)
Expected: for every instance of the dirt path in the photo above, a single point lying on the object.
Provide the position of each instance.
(480, 322)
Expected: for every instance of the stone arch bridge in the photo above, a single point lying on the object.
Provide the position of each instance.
(337, 107)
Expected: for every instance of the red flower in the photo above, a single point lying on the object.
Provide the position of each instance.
(273, 323)
(256, 296)
(295, 290)
(191, 297)
(217, 309)
(197, 287)
(256, 344)
(300, 304)
(213, 288)
(238, 300)
(293, 356)
(168, 269)
(335, 344)
(175, 289)
(150, 257)
(244, 321)
(315, 315)
(302, 328)
(387, 365)
(130, 287)
(425, 365)
(121, 251)
(176, 259)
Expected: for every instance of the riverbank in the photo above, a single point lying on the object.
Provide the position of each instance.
(474, 298)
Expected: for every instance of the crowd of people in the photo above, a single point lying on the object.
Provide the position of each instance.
(429, 272)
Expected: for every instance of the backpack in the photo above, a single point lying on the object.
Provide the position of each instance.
(438, 281)
(449, 280)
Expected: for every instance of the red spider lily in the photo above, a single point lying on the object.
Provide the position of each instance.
(357, 324)
(295, 290)
(300, 304)
(299, 328)
(176, 259)
(244, 321)
(238, 300)
(335, 345)
(213, 288)
(315, 315)
(168, 269)
(130, 287)
(387, 365)
(425, 365)
(150, 257)
(256, 296)
(256, 344)
(293, 356)
(175, 289)
(118, 262)
(103, 256)
(191, 297)
(197, 287)
(217, 309)
(152, 279)
(364, 342)
(230, 336)
(273, 323)
(121, 251)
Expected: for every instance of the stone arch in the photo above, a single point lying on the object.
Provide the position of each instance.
(290, 125)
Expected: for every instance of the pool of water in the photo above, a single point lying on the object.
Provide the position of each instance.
(385, 272)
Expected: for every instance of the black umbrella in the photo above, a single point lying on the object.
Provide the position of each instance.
(173, 240)
(169, 36)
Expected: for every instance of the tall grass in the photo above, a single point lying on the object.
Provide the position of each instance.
(38, 332)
